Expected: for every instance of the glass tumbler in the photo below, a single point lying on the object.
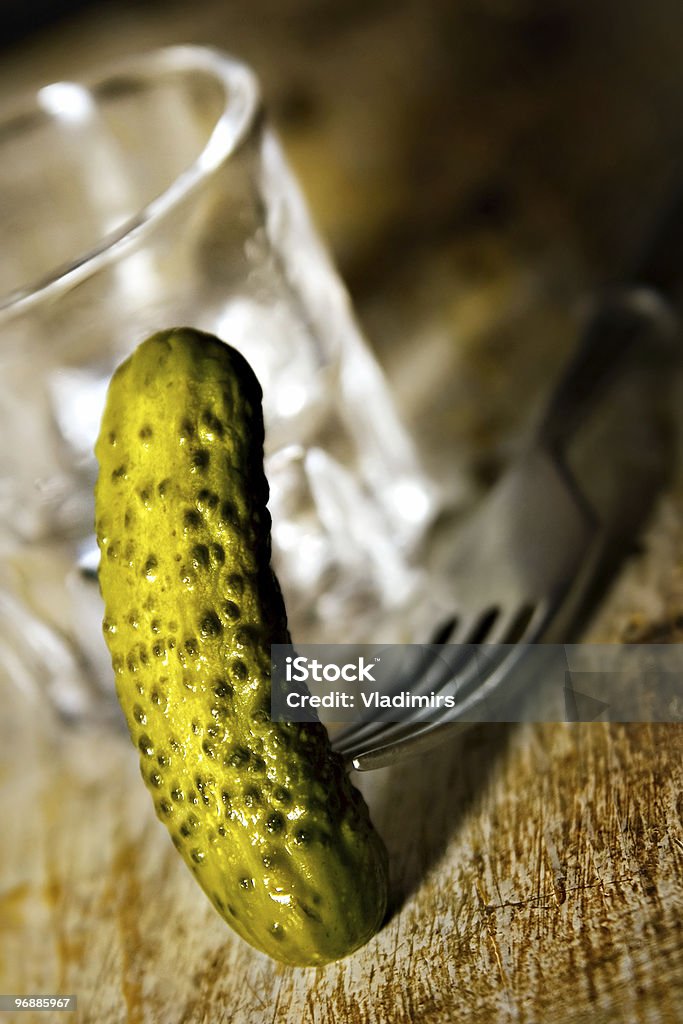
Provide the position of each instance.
(154, 196)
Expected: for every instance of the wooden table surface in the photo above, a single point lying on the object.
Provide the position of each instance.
(537, 870)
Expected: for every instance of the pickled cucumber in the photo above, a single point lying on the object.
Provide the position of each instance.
(263, 813)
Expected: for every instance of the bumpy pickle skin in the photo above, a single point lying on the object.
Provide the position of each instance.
(263, 813)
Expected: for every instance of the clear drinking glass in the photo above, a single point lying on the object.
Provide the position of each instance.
(153, 196)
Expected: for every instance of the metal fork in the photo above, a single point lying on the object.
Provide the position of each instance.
(523, 566)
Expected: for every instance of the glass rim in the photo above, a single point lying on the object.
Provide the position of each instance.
(242, 100)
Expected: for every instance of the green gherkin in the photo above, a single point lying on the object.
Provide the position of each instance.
(263, 813)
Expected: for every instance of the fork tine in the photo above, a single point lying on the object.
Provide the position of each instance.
(463, 666)
(437, 673)
(394, 744)
(512, 624)
(365, 726)
(398, 741)
(416, 743)
(466, 672)
(492, 626)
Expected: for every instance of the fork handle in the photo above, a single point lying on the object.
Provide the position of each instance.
(626, 323)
